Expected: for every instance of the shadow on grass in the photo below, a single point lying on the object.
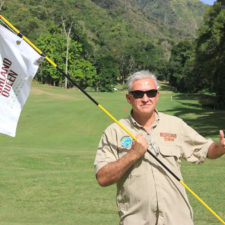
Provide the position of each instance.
(199, 114)
(164, 86)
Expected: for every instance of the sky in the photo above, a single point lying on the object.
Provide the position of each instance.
(209, 2)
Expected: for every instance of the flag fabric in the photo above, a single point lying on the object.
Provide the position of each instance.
(18, 66)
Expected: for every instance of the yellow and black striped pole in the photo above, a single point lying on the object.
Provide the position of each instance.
(108, 114)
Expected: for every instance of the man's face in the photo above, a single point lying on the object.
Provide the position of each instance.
(144, 105)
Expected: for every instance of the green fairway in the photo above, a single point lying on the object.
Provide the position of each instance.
(46, 171)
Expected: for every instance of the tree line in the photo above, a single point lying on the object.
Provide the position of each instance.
(200, 65)
(115, 49)
(97, 49)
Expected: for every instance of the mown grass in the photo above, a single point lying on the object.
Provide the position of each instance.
(46, 171)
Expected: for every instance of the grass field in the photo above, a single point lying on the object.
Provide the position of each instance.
(46, 171)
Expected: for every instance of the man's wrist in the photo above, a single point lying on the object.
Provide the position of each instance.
(136, 154)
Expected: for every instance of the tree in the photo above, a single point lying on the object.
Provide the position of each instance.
(138, 55)
(210, 51)
(55, 45)
(67, 35)
(108, 72)
(83, 73)
(181, 54)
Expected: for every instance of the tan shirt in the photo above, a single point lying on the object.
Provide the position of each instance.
(147, 194)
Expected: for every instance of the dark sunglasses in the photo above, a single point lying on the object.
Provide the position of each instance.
(139, 94)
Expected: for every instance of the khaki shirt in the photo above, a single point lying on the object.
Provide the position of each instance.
(147, 194)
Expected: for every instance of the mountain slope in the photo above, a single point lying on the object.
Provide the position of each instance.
(111, 26)
(185, 15)
(168, 19)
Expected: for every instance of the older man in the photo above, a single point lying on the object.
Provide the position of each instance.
(146, 193)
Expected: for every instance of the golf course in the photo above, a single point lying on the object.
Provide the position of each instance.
(46, 172)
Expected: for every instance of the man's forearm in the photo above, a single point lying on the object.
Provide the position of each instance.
(113, 171)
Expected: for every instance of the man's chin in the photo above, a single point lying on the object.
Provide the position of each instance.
(145, 112)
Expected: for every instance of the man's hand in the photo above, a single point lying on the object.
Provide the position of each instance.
(217, 149)
(222, 139)
(139, 146)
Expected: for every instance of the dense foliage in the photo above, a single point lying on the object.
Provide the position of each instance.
(179, 64)
(111, 39)
(81, 70)
(108, 39)
(210, 52)
(200, 65)
(180, 16)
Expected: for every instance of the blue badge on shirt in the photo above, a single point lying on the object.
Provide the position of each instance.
(126, 141)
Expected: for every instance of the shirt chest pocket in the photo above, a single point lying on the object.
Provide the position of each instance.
(171, 155)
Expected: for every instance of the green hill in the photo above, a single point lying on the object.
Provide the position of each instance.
(108, 24)
(183, 15)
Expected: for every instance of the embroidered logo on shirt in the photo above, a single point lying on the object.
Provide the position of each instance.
(168, 136)
(126, 141)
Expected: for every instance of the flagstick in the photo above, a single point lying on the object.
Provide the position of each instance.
(113, 118)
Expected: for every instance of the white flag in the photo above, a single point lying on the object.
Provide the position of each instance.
(18, 66)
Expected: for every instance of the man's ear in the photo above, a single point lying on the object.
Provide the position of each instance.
(128, 97)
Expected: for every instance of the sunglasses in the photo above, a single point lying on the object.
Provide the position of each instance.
(139, 94)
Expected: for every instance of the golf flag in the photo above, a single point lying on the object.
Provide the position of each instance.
(18, 66)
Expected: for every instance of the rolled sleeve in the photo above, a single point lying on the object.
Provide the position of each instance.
(195, 146)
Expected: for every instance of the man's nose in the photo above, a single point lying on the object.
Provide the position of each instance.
(145, 97)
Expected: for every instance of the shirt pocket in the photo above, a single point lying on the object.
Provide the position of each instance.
(169, 151)
(171, 156)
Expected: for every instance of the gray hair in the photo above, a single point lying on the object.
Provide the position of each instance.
(141, 75)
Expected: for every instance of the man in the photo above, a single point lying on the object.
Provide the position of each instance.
(146, 193)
